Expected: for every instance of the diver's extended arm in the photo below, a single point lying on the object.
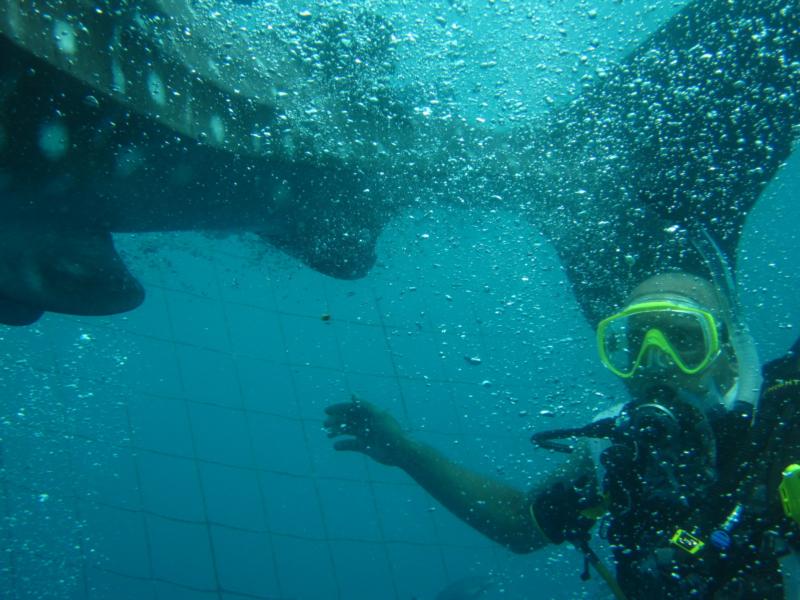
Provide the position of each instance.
(499, 511)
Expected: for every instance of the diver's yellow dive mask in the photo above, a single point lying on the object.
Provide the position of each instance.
(679, 329)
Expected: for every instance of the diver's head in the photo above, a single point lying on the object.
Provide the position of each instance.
(684, 285)
(673, 332)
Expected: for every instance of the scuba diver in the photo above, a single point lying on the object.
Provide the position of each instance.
(694, 482)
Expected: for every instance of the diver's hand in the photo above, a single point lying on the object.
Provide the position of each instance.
(372, 431)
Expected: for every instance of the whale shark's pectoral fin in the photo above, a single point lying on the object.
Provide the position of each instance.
(73, 272)
(332, 223)
(328, 245)
(14, 313)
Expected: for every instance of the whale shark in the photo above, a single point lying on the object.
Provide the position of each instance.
(106, 127)
(142, 116)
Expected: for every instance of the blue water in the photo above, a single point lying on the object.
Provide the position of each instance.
(177, 452)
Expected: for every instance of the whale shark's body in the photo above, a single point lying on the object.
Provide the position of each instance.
(74, 171)
(105, 127)
(110, 123)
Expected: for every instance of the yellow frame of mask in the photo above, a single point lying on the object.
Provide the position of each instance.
(656, 338)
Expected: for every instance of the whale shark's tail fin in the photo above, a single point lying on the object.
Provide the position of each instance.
(74, 272)
(683, 134)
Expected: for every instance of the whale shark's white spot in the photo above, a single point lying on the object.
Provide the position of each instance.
(289, 144)
(53, 140)
(214, 67)
(15, 21)
(66, 40)
(255, 141)
(217, 127)
(156, 88)
(189, 118)
(31, 274)
(128, 161)
(282, 195)
(118, 81)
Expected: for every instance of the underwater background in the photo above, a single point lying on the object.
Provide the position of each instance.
(177, 452)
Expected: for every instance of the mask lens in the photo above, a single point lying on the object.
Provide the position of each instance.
(686, 333)
(619, 350)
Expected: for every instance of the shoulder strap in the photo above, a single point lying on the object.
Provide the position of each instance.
(784, 369)
(780, 393)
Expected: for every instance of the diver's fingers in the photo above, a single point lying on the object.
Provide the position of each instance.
(351, 412)
(337, 410)
(341, 421)
(337, 419)
(332, 428)
(350, 445)
(336, 428)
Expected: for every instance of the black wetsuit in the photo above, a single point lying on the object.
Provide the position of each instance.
(667, 492)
